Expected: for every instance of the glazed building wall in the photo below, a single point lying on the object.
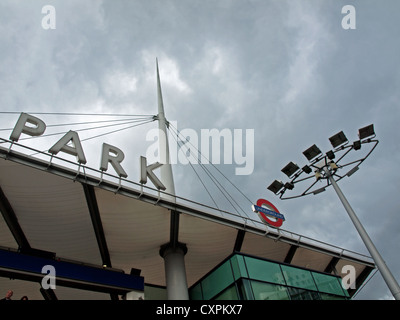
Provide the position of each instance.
(242, 277)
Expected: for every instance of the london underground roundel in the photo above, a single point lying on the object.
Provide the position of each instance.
(267, 212)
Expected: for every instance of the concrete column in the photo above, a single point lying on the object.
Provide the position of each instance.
(135, 295)
(175, 271)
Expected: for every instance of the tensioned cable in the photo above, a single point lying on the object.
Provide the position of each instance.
(80, 114)
(198, 176)
(364, 284)
(85, 123)
(216, 168)
(118, 130)
(208, 161)
(109, 132)
(224, 192)
(92, 128)
(220, 187)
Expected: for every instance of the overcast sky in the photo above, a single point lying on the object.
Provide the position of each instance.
(286, 69)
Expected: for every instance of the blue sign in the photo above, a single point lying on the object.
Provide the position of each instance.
(268, 212)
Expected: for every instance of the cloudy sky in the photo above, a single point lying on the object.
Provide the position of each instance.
(286, 69)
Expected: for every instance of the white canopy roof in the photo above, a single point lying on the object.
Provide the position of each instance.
(80, 216)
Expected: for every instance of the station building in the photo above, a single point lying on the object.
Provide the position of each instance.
(107, 237)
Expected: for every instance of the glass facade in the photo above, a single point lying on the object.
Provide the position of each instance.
(242, 277)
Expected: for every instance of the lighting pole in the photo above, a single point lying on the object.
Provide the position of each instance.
(380, 263)
(327, 169)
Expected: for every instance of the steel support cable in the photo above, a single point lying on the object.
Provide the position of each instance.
(118, 130)
(224, 192)
(80, 114)
(110, 132)
(247, 198)
(208, 161)
(91, 128)
(219, 186)
(364, 284)
(85, 123)
(198, 176)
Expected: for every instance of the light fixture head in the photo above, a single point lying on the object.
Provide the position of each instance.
(331, 155)
(306, 169)
(338, 139)
(352, 171)
(275, 186)
(289, 185)
(366, 132)
(319, 191)
(357, 145)
(290, 169)
(312, 152)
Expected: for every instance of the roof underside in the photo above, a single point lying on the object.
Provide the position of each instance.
(91, 221)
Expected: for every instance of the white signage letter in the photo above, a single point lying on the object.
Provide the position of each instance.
(20, 127)
(75, 150)
(115, 160)
(147, 171)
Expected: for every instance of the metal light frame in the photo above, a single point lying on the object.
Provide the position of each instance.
(319, 161)
(327, 169)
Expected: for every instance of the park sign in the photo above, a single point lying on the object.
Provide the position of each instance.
(268, 213)
(71, 144)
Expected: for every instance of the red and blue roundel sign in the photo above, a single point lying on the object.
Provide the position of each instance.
(264, 213)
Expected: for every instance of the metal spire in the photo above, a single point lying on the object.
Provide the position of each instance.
(172, 252)
(166, 170)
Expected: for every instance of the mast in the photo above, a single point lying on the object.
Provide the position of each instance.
(166, 170)
(174, 251)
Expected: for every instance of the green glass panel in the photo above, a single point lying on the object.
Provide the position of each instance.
(238, 266)
(195, 293)
(325, 296)
(299, 278)
(264, 270)
(328, 284)
(228, 294)
(302, 294)
(244, 289)
(268, 291)
(217, 281)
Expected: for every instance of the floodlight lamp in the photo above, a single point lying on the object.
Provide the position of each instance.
(290, 169)
(312, 152)
(366, 132)
(338, 139)
(306, 169)
(275, 186)
(319, 191)
(331, 155)
(289, 185)
(357, 145)
(352, 171)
